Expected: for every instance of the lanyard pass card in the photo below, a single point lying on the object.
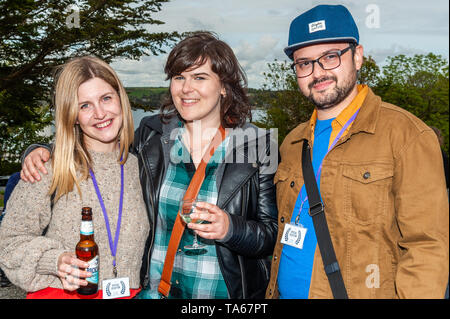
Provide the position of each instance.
(294, 235)
(116, 288)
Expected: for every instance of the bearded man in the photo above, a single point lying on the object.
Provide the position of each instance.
(383, 202)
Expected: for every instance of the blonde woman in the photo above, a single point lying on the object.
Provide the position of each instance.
(90, 165)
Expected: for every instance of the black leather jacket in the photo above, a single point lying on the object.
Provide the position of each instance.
(245, 192)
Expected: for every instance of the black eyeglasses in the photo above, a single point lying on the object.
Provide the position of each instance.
(328, 61)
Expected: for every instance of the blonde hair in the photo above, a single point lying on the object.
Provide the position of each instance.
(70, 156)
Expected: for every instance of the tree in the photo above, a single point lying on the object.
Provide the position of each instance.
(38, 35)
(19, 139)
(286, 106)
(369, 73)
(419, 84)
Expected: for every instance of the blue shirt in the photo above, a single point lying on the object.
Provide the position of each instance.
(294, 274)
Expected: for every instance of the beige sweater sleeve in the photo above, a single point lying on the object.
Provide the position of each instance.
(29, 259)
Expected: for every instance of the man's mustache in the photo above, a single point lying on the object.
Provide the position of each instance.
(317, 81)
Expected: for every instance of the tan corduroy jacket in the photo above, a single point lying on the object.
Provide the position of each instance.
(386, 205)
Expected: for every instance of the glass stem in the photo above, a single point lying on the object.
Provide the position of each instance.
(195, 244)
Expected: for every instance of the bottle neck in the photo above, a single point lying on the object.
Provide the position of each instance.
(87, 230)
(86, 237)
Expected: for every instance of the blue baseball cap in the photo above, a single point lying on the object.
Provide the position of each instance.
(321, 24)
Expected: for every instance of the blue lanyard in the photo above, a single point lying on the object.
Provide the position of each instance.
(112, 244)
(297, 219)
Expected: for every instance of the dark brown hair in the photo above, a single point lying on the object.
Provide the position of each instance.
(194, 51)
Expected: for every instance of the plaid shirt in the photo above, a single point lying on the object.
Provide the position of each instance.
(196, 274)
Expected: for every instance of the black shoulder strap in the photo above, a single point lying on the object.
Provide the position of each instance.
(316, 211)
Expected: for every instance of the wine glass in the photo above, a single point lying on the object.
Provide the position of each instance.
(187, 207)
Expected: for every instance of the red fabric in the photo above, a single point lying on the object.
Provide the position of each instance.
(55, 293)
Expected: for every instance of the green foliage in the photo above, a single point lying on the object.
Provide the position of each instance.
(15, 138)
(286, 106)
(369, 73)
(419, 84)
(146, 98)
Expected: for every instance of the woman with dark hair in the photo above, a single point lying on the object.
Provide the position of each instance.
(198, 50)
(207, 90)
(237, 195)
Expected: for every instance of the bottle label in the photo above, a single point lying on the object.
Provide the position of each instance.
(93, 268)
(87, 228)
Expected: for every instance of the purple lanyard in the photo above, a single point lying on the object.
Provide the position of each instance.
(112, 245)
(320, 167)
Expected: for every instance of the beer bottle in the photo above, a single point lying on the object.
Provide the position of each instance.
(87, 250)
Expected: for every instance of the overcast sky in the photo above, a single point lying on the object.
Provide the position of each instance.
(257, 30)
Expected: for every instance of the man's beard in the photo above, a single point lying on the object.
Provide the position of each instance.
(335, 97)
